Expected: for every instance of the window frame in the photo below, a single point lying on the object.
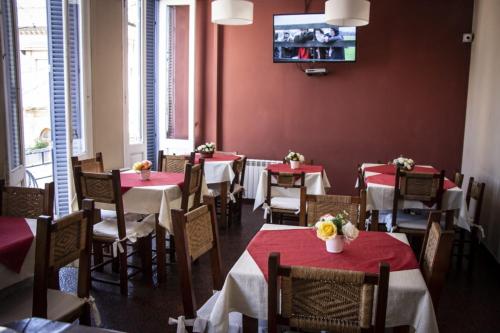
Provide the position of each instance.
(178, 146)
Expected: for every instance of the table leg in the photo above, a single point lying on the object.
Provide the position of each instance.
(160, 250)
(223, 204)
(250, 324)
(374, 224)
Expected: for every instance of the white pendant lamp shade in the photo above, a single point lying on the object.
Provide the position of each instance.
(232, 12)
(347, 13)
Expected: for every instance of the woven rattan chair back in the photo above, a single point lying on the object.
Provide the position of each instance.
(59, 243)
(312, 207)
(26, 202)
(95, 165)
(172, 163)
(239, 167)
(193, 182)
(426, 187)
(316, 299)
(458, 179)
(196, 233)
(475, 191)
(102, 188)
(285, 179)
(435, 256)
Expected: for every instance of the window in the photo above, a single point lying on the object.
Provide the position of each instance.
(176, 74)
(134, 61)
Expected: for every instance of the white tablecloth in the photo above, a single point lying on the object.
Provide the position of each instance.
(9, 277)
(218, 171)
(380, 197)
(315, 182)
(245, 291)
(154, 200)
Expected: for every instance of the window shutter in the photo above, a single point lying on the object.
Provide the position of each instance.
(151, 80)
(12, 86)
(58, 104)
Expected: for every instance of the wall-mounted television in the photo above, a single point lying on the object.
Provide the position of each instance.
(307, 38)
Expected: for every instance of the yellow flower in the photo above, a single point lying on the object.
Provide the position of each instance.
(137, 166)
(326, 230)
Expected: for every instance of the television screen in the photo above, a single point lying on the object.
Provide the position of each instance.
(307, 38)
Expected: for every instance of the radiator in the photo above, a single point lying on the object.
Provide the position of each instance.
(252, 174)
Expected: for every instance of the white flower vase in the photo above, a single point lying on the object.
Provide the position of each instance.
(335, 244)
(145, 174)
(294, 164)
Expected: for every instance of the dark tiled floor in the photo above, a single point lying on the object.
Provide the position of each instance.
(470, 303)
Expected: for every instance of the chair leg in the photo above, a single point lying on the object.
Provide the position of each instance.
(146, 251)
(473, 250)
(85, 316)
(115, 265)
(98, 255)
(172, 249)
(240, 208)
(122, 258)
(461, 241)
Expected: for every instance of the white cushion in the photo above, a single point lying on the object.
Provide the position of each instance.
(109, 229)
(411, 221)
(235, 318)
(17, 304)
(285, 203)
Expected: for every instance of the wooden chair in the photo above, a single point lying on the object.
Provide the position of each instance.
(234, 198)
(458, 179)
(95, 165)
(196, 233)
(26, 202)
(279, 205)
(474, 201)
(191, 197)
(435, 256)
(172, 163)
(361, 179)
(317, 299)
(106, 188)
(58, 244)
(312, 207)
(419, 187)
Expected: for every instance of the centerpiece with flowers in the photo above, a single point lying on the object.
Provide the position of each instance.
(335, 231)
(404, 163)
(294, 159)
(143, 168)
(206, 150)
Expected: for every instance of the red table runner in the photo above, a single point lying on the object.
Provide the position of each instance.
(390, 169)
(389, 180)
(306, 168)
(129, 180)
(301, 247)
(15, 241)
(217, 157)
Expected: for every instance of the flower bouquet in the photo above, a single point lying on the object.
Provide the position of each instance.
(335, 231)
(294, 159)
(404, 163)
(144, 168)
(206, 150)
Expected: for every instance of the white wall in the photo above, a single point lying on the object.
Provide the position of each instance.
(481, 154)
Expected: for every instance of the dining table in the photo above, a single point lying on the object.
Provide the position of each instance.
(316, 182)
(379, 185)
(157, 195)
(245, 288)
(17, 250)
(218, 172)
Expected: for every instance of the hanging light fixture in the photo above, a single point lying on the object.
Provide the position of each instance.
(347, 13)
(232, 12)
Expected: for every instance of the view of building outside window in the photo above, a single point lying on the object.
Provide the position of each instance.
(34, 70)
(135, 121)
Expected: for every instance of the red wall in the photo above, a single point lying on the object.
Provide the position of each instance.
(406, 94)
